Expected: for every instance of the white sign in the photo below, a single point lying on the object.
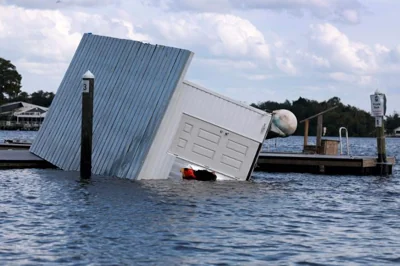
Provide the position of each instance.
(377, 105)
(378, 121)
(85, 86)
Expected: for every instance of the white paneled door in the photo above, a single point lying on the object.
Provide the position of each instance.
(214, 147)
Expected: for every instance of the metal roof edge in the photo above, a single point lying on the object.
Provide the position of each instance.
(143, 42)
(225, 98)
(25, 105)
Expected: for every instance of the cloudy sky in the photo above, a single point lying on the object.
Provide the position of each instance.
(250, 50)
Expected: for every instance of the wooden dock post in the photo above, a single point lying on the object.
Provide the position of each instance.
(306, 125)
(378, 110)
(381, 142)
(319, 132)
(87, 125)
(306, 122)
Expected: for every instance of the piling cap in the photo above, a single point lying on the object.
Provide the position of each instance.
(88, 75)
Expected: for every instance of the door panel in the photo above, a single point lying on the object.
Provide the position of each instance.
(214, 147)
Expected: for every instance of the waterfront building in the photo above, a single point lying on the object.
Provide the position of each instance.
(21, 116)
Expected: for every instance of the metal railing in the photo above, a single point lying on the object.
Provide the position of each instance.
(347, 141)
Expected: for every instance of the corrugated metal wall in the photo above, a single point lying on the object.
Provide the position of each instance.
(209, 106)
(133, 87)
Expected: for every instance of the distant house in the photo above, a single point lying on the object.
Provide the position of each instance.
(396, 132)
(22, 115)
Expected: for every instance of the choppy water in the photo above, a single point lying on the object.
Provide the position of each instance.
(48, 217)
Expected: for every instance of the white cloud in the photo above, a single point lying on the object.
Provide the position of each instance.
(394, 54)
(315, 61)
(49, 69)
(343, 53)
(38, 34)
(56, 4)
(249, 94)
(227, 63)
(381, 49)
(285, 65)
(251, 49)
(99, 24)
(42, 42)
(221, 35)
(258, 77)
(339, 10)
(351, 61)
(361, 80)
(350, 15)
(196, 5)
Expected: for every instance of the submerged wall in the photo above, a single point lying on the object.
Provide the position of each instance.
(133, 87)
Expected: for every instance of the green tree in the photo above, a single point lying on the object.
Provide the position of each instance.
(10, 80)
(42, 98)
(23, 97)
(392, 122)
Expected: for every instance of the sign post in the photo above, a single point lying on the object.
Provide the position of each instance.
(378, 110)
(87, 125)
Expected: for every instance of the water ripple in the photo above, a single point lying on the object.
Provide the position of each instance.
(49, 217)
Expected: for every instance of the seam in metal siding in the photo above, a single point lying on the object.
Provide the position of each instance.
(74, 111)
(110, 127)
(160, 112)
(158, 162)
(114, 126)
(133, 87)
(104, 119)
(145, 110)
(66, 114)
(100, 59)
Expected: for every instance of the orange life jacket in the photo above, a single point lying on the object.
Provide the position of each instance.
(188, 173)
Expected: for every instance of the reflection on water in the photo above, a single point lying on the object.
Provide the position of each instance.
(23, 135)
(49, 217)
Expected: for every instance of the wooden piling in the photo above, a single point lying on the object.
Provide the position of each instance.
(306, 125)
(381, 146)
(87, 125)
(378, 110)
(319, 132)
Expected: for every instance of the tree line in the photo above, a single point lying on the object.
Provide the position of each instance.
(359, 123)
(40, 97)
(10, 85)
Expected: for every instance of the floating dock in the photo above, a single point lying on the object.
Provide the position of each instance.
(267, 162)
(13, 146)
(22, 159)
(321, 164)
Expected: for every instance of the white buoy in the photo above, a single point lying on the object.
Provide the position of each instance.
(284, 122)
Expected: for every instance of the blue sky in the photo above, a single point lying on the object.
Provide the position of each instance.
(254, 50)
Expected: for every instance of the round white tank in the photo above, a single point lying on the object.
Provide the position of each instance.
(285, 121)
